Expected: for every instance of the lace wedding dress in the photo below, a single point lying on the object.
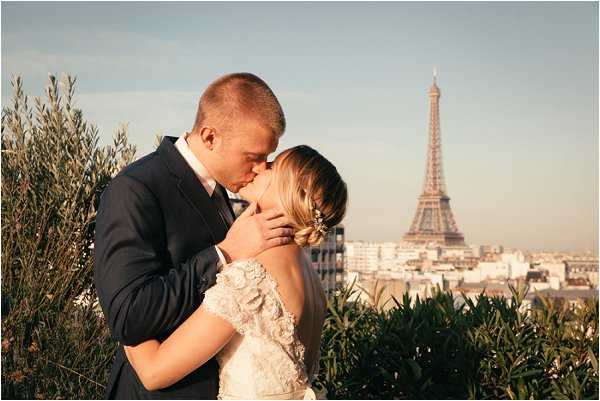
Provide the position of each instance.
(265, 358)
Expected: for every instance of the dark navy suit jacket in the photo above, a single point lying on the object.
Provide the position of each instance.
(156, 229)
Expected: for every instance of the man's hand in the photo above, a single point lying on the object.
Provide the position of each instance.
(253, 232)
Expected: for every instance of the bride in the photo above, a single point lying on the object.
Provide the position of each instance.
(263, 317)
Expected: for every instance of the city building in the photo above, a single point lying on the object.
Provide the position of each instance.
(554, 269)
(492, 249)
(328, 258)
(518, 269)
(362, 256)
(492, 288)
(456, 252)
(582, 269)
(566, 298)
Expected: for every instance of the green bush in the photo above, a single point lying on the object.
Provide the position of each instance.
(488, 349)
(54, 344)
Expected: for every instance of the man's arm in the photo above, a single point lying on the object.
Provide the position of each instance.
(141, 297)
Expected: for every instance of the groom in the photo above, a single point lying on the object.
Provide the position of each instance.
(165, 226)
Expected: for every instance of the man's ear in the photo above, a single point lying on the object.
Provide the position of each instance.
(208, 137)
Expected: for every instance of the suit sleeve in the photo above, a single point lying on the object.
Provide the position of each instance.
(141, 296)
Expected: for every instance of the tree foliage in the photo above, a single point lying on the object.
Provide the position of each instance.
(430, 349)
(54, 342)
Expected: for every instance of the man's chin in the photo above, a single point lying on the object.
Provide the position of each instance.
(235, 189)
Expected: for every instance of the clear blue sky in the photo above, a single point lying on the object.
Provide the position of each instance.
(519, 106)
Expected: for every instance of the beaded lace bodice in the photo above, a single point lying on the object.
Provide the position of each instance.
(265, 358)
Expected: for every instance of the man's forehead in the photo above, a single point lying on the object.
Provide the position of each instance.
(260, 144)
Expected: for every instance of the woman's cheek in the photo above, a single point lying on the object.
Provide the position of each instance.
(244, 192)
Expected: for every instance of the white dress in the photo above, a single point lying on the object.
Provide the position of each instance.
(265, 358)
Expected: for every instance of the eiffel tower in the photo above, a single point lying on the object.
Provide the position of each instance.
(433, 221)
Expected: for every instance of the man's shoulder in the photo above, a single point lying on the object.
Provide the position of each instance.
(142, 167)
(154, 167)
(145, 175)
(149, 170)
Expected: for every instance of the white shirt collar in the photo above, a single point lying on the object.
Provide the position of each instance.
(201, 172)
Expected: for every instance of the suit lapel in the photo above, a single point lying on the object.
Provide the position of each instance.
(192, 189)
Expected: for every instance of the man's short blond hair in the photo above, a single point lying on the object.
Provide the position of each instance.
(238, 96)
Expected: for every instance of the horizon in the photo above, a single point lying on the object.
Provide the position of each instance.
(506, 248)
(518, 111)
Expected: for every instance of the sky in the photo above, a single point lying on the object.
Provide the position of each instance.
(519, 104)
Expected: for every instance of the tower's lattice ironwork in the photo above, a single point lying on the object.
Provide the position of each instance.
(434, 221)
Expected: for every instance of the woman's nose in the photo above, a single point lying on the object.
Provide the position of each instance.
(259, 168)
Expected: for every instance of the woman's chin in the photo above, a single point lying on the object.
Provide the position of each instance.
(244, 194)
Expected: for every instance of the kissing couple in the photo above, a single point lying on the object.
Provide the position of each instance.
(203, 305)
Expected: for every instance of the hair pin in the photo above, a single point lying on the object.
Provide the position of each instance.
(318, 223)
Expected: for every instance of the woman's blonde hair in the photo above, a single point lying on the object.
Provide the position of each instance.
(312, 193)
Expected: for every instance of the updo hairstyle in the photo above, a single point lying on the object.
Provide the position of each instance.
(312, 193)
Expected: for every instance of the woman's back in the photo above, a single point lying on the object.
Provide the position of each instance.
(301, 291)
(276, 304)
